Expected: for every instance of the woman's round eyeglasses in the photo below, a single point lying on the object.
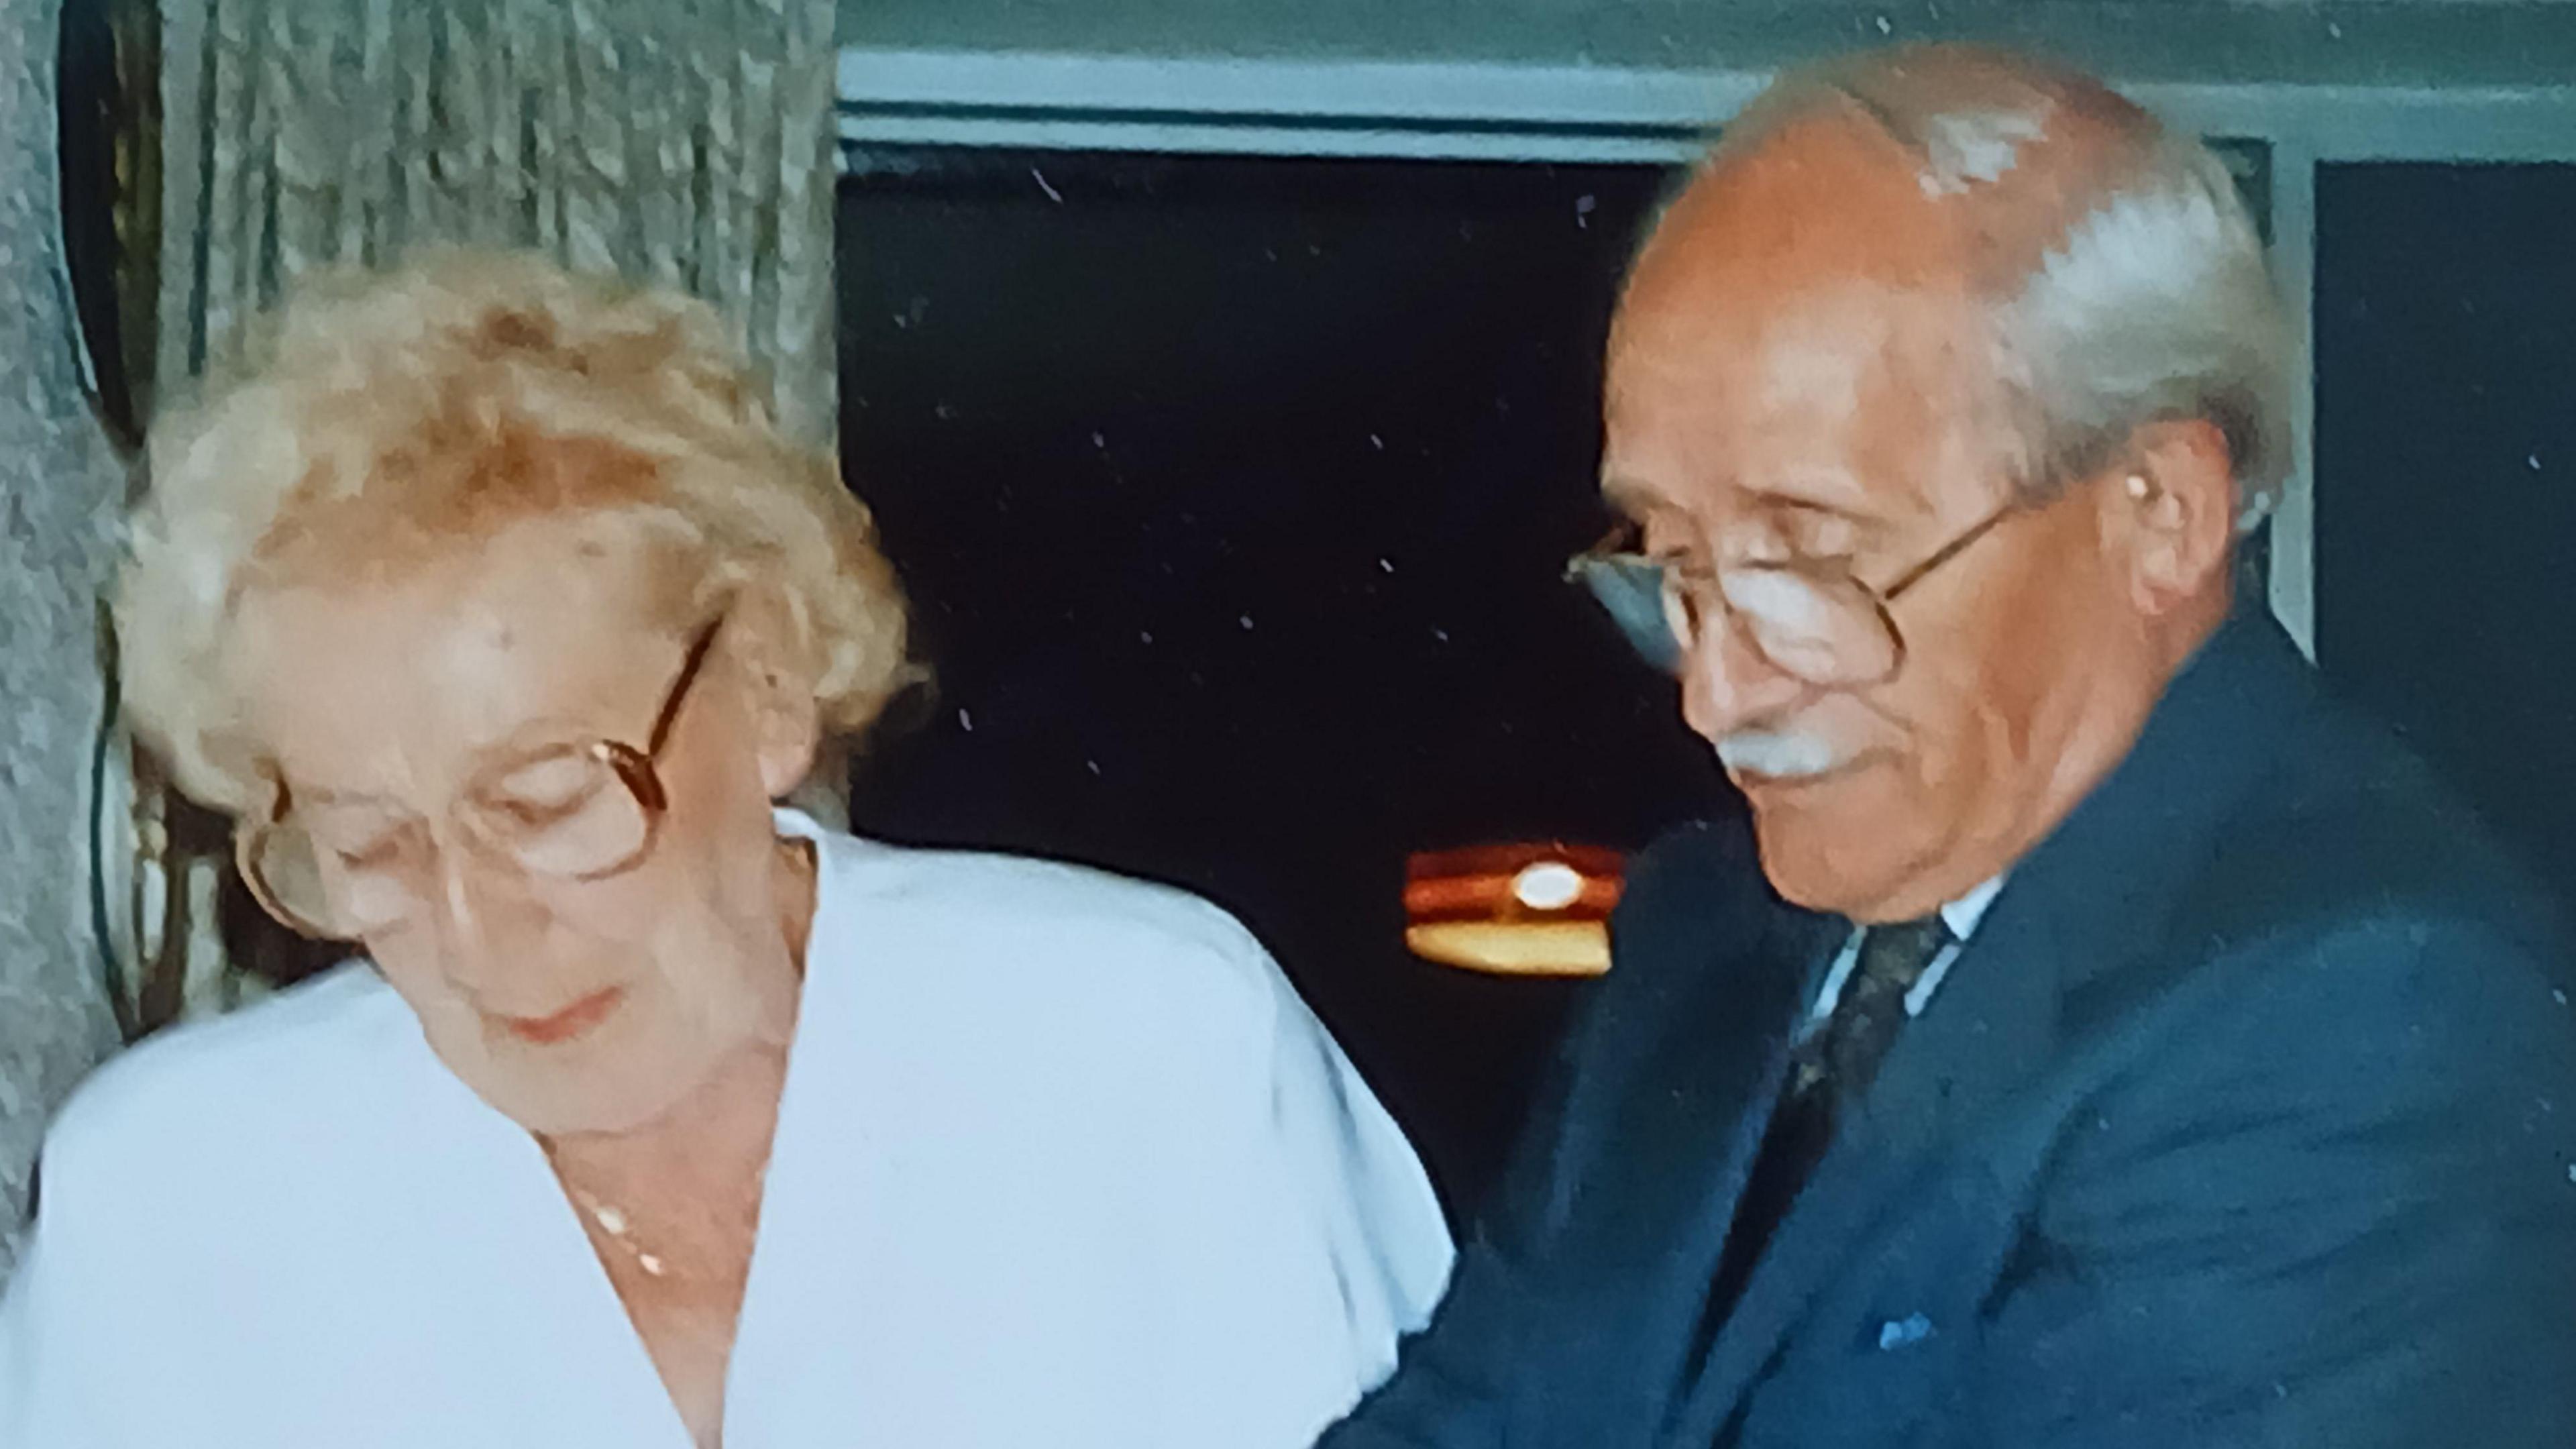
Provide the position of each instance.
(576, 810)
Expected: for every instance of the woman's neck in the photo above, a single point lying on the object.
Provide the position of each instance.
(713, 1145)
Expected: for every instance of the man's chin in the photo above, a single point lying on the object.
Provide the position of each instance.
(1826, 848)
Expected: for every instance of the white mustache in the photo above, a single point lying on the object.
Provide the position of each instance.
(1781, 754)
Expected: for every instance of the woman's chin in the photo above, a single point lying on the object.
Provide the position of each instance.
(583, 1088)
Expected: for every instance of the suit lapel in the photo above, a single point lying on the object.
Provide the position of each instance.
(1698, 1083)
(2094, 894)
(1678, 1067)
(1990, 1025)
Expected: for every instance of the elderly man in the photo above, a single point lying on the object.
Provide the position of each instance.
(2129, 1048)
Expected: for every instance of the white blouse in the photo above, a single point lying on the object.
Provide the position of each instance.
(1061, 1160)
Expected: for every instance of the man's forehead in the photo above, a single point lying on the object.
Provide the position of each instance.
(1828, 195)
(1795, 265)
(1794, 392)
(1815, 348)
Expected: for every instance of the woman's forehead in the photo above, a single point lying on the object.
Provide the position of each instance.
(535, 632)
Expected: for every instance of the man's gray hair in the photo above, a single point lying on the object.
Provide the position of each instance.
(2142, 293)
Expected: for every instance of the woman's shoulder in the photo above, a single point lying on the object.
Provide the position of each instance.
(207, 1091)
(1031, 889)
(990, 919)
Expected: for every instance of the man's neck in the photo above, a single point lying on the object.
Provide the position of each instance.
(2099, 730)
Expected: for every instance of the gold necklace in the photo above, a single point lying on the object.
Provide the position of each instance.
(619, 1224)
(613, 1221)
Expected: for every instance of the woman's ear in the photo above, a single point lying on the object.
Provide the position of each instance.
(2176, 507)
(767, 635)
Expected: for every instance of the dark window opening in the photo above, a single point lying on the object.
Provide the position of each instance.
(2446, 476)
(1233, 495)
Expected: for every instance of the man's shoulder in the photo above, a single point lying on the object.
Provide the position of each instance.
(2352, 907)
(1707, 870)
(2255, 802)
(2353, 832)
(1698, 890)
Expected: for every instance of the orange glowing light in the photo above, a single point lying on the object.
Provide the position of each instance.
(1539, 909)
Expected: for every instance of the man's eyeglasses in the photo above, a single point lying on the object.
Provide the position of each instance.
(579, 810)
(1815, 622)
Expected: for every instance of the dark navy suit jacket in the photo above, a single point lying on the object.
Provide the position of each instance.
(2247, 1117)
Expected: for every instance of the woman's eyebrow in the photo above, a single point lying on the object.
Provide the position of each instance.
(324, 795)
(318, 800)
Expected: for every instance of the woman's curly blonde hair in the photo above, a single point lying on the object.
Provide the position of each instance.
(433, 404)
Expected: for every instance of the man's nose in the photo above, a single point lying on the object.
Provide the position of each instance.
(1728, 683)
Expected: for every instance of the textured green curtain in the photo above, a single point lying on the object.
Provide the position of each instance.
(688, 142)
(59, 488)
(683, 142)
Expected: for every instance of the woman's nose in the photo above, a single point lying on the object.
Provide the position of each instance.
(476, 916)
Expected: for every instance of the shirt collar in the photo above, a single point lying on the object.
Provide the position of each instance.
(1963, 914)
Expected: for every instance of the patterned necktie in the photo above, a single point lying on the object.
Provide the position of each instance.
(1843, 1056)
(1830, 1069)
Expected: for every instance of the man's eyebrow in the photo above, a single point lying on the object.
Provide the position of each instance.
(1626, 494)
(1787, 501)
(1830, 488)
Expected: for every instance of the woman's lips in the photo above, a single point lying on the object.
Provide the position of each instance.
(568, 1023)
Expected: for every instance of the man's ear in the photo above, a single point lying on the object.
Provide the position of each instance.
(768, 637)
(2176, 505)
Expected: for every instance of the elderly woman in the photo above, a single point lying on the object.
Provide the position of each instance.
(497, 613)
